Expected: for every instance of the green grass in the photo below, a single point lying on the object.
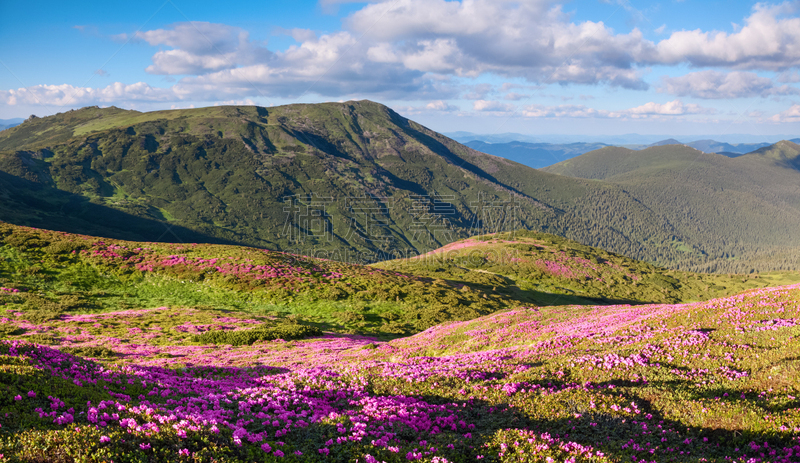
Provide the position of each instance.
(248, 337)
(59, 273)
(542, 269)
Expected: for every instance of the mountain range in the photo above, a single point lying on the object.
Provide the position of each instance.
(8, 123)
(536, 155)
(539, 155)
(713, 146)
(357, 181)
(628, 139)
(752, 199)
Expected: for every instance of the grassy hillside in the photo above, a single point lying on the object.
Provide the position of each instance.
(59, 274)
(350, 181)
(743, 209)
(543, 269)
(609, 162)
(715, 381)
(46, 131)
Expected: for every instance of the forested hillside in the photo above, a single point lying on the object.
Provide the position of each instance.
(746, 207)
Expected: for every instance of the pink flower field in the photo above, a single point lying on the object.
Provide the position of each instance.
(711, 381)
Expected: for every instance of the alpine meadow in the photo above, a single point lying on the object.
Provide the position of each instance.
(389, 231)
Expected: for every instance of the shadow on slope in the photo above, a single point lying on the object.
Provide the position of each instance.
(27, 203)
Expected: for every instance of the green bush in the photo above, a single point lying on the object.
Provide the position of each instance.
(247, 337)
(10, 330)
(94, 351)
(41, 339)
(65, 247)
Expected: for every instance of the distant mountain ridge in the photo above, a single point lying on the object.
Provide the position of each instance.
(630, 139)
(8, 123)
(539, 155)
(751, 197)
(712, 146)
(534, 155)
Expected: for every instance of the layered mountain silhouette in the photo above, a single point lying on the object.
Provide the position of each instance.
(536, 155)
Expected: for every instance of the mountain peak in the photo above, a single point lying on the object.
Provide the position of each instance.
(784, 153)
(668, 141)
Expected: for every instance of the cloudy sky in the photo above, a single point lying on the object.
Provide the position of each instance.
(488, 66)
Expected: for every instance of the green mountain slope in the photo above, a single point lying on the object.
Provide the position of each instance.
(784, 154)
(351, 181)
(334, 177)
(611, 161)
(56, 274)
(744, 208)
(44, 131)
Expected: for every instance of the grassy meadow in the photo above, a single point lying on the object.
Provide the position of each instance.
(504, 348)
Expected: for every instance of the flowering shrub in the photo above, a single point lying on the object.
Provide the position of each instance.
(687, 382)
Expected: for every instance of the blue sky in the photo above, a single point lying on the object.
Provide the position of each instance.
(537, 67)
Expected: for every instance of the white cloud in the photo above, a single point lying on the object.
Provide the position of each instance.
(298, 34)
(440, 56)
(245, 102)
(478, 92)
(383, 53)
(714, 85)
(334, 65)
(789, 77)
(513, 96)
(790, 115)
(69, 95)
(672, 108)
(495, 106)
(533, 40)
(768, 41)
(424, 50)
(441, 105)
(579, 111)
(201, 47)
(647, 110)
